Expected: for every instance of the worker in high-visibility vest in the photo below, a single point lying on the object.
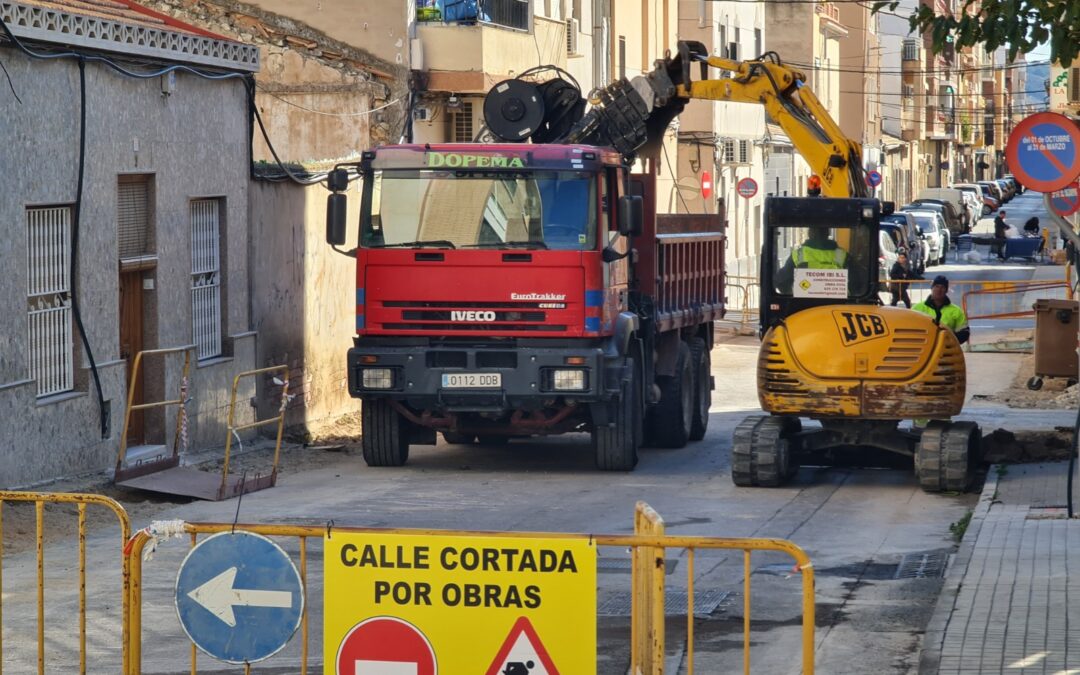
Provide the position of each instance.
(818, 252)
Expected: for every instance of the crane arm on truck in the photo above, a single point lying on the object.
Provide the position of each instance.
(632, 116)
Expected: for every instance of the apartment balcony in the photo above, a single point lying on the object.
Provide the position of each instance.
(912, 55)
(470, 55)
(512, 14)
(829, 15)
(910, 121)
(940, 125)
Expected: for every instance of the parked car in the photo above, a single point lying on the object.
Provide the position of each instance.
(988, 194)
(1019, 186)
(948, 212)
(980, 196)
(973, 203)
(916, 245)
(956, 199)
(890, 243)
(933, 227)
(995, 191)
(1007, 189)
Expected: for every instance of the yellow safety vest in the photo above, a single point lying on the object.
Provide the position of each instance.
(808, 257)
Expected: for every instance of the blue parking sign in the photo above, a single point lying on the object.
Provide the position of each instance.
(1044, 151)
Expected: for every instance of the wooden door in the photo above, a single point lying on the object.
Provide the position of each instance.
(131, 343)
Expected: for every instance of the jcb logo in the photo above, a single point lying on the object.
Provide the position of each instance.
(859, 326)
(472, 316)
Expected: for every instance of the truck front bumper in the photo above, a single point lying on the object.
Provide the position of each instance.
(530, 377)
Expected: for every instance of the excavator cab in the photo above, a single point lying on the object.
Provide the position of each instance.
(818, 252)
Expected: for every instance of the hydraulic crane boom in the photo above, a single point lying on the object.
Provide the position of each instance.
(632, 116)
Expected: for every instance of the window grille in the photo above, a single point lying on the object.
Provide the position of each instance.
(48, 259)
(133, 216)
(729, 152)
(744, 152)
(463, 123)
(206, 277)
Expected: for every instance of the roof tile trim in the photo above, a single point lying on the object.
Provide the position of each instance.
(54, 26)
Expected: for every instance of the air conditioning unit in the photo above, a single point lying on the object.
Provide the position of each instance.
(573, 27)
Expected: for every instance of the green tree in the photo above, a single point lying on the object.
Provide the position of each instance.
(1019, 25)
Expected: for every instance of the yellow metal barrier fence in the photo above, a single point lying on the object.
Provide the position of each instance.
(40, 499)
(648, 545)
(237, 486)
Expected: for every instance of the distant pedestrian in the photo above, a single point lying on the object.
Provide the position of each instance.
(900, 273)
(1001, 229)
(943, 311)
(1032, 225)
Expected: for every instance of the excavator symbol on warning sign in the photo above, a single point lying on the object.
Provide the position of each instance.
(522, 653)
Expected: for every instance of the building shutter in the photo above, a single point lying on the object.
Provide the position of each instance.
(133, 216)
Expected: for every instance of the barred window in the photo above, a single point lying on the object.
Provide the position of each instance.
(729, 152)
(48, 296)
(463, 123)
(744, 152)
(206, 277)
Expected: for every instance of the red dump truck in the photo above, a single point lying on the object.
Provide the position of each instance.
(513, 290)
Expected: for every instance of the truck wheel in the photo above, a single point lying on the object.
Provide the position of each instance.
(946, 454)
(616, 445)
(457, 438)
(673, 415)
(385, 439)
(702, 363)
(761, 453)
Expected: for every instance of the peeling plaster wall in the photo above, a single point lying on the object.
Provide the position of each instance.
(194, 143)
(325, 66)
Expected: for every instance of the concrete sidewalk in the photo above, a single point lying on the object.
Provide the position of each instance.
(1009, 604)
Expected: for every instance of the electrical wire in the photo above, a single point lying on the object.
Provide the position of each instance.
(943, 71)
(330, 114)
(10, 84)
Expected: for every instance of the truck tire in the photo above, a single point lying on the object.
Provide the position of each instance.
(673, 415)
(699, 356)
(946, 455)
(616, 445)
(385, 439)
(457, 438)
(761, 453)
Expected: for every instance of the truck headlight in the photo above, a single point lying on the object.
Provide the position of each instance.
(569, 380)
(377, 378)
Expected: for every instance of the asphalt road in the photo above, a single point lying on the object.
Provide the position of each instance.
(857, 525)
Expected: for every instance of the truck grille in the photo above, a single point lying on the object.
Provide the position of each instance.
(446, 316)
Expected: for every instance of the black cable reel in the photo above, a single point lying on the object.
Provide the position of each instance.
(514, 110)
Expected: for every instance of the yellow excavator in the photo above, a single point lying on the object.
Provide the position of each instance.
(830, 351)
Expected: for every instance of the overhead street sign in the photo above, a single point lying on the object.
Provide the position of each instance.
(873, 178)
(404, 603)
(1044, 151)
(747, 187)
(239, 597)
(1066, 202)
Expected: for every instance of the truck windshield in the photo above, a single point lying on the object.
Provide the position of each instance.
(821, 262)
(479, 209)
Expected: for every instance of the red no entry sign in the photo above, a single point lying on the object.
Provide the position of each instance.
(747, 187)
(385, 645)
(1066, 202)
(1044, 151)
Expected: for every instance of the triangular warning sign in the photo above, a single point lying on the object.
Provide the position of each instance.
(522, 653)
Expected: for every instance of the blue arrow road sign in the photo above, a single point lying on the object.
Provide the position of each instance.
(239, 597)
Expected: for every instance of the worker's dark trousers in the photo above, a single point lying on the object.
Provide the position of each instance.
(901, 294)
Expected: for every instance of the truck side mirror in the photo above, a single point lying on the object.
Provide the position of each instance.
(631, 215)
(336, 206)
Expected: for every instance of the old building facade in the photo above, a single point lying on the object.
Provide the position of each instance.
(130, 236)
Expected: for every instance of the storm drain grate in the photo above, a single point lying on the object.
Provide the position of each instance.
(705, 603)
(923, 565)
(625, 565)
